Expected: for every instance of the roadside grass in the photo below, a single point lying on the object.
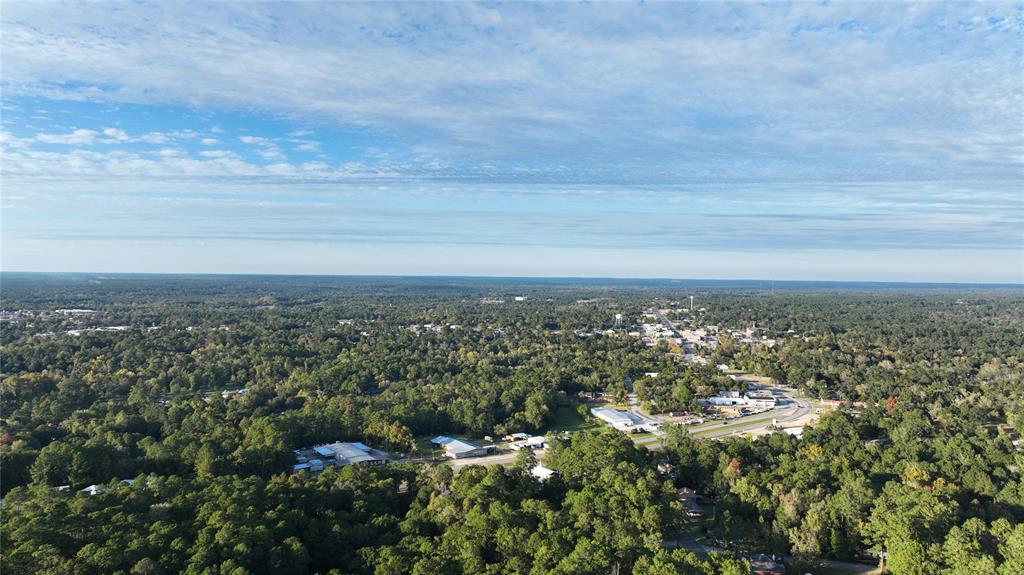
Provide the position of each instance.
(719, 427)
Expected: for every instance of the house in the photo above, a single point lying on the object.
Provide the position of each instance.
(766, 565)
(688, 497)
(542, 473)
(461, 448)
(93, 490)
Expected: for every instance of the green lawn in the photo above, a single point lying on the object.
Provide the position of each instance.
(568, 419)
(423, 445)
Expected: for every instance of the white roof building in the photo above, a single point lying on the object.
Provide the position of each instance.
(625, 420)
(542, 473)
(340, 453)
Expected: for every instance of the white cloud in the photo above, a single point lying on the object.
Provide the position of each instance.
(578, 85)
(270, 153)
(116, 134)
(79, 137)
(218, 154)
(308, 146)
(8, 140)
(153, 138)
(253, 140)
(210, 141)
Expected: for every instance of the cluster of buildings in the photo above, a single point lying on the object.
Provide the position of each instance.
(316, 459)
(652, 333)
(431, 328)
(627, 421)
(757, 399)
(97, 329)
(518, 441)
(95, 489)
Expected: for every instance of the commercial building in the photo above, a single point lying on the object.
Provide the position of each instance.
(534, 442)
(315, 459)
(625, 420)
(461, 448)
(734, 398)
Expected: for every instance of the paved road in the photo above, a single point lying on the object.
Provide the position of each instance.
(665, 322)
(499, 459)
(798, 410)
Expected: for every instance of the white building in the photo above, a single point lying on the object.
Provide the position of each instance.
(625, 420)
(93, 490)
(542, 473)
(535, 442)
(733, 398)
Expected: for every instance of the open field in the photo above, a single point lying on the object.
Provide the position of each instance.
(568, 419)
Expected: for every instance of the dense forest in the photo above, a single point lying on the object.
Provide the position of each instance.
(138, 377)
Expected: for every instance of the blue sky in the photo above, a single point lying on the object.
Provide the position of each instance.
(874, 141)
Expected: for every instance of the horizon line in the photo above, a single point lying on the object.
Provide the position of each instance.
(520, 277)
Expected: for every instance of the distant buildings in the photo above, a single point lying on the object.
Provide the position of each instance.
(626, 421)
(757, 399)
(317, 458)
(461, 448)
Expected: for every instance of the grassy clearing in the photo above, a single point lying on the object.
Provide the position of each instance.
(568, 419)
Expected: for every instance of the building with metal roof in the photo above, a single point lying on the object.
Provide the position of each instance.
(462, 448)
(338, 453)
(625, 420)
